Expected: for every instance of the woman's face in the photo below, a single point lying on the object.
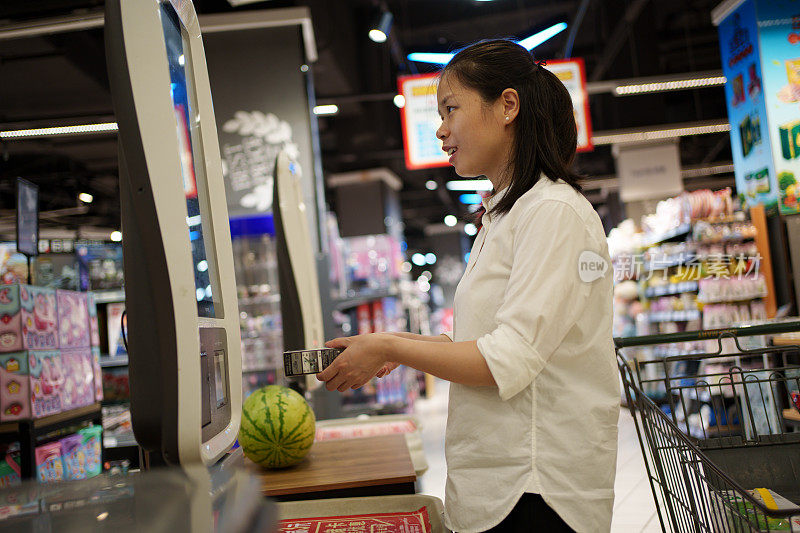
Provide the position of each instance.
(476, 134)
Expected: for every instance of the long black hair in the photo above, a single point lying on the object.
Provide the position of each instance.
(545, 136)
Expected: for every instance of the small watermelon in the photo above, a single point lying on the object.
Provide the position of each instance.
(278, 427)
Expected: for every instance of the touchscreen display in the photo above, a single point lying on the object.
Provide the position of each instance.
(187, 126)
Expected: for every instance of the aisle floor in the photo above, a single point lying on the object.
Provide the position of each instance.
(634, 510)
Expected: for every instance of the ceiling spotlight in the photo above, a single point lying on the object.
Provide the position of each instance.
(529, 43)
(85, 197)
(470, 229)
(450, 220)
(331, 109)
(400, 101)
(431, 185)
(430, 258)
(379, 31)
(427, 57)
(116, 236)
(418, 259)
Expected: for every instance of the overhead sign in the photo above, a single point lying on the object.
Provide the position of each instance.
(649, 171)
(572, 74)
(420, 117)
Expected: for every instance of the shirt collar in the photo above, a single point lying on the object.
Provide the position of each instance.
(490, 202)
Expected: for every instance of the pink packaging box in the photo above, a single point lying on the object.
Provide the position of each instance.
(46, 379)
(94, 328)
(74, 330)
(15, 403)
(49, 467)
(98, 375)
(28, 319)
(73, 457)
(77, 389)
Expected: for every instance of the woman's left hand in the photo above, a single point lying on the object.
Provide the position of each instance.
(363, 357)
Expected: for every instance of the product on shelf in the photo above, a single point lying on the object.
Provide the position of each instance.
(417, 521)
(77, 389)
(13, 265)
(10, 470)
(116, 345)
(74, 330)
(732, 289)
(27, 318)
(116, 385)
(94, 327)
(73, 457)
(49, 466)
(92, 446)
(14, 387)
(46, 379)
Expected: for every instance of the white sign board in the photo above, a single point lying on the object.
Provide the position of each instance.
(650, 171)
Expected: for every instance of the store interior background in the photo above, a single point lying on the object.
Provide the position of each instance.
(389, 252)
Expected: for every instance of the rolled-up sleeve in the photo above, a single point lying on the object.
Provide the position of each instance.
(543, 297)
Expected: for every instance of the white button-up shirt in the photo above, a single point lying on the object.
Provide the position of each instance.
(543, 323)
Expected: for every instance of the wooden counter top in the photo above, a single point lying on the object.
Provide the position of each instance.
(342, 464)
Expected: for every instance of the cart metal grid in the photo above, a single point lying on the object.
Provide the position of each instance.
(720, 432)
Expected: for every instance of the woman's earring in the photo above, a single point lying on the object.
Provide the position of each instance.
(506, 117)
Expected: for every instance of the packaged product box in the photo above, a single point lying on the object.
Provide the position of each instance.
(73, 319)
(116, 344)
(10, 470)
(46, 378)
(98, 375)
(790, 144)
(94, 327)
(91, 447)
(736, 508)
(15, 387)
(78, 388)
(49, 467)
(73, 457)
(28, 319)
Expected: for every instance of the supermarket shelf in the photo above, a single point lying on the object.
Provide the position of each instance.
(672, 288)
(723, 240)
(681, 230)
(109, 296)
(349, 303)
(734, 300)
(260, 300)
(107, 361)
(674, 316)
(259, 369)
(53, 422)
(738, 217)
(671, 261)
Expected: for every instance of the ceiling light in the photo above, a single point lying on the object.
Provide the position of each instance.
(418, 259)
(116, 236)
(427, 57)
(468, 199)
(430, 258)
(399, 101)
(304, 68)
(59, 130)
(450, 220)
(469, 185)
(431, 185)
(529, 43)
(181, 60)
(669, 85)
(470, 229)
(379, 31)
(330, 109)
(666, 133)
(85, 197)
(406, 267)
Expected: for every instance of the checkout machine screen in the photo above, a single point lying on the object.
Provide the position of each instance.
(188, 128)
(184, 100)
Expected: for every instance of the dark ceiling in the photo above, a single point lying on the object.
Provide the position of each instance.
(61, 78)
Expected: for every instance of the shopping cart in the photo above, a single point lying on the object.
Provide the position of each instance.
(716, 429)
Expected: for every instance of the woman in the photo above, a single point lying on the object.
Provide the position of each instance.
(531, 438)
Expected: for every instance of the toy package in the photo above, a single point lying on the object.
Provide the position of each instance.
(10, 469)
(27, 318)
(78, 387)
(14, 387)
(94, 327)
(46, 379)
(49, 467)
(72, 457)
(98, 375)
(91, 447)
(73, 319)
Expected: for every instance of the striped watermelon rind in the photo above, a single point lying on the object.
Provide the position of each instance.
(277, 428)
